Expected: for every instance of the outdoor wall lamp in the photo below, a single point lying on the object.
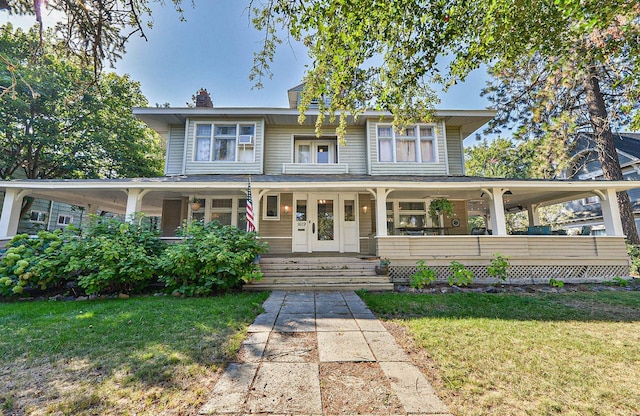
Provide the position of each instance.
(286, 209)
(364, 209)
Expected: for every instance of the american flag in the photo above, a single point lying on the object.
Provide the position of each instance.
(251, 224)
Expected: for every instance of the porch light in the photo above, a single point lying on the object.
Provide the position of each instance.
(286, 209)
(364, 209)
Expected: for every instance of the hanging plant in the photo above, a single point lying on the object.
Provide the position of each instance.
(440, 206)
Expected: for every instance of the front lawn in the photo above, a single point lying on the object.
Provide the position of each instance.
(146, 355)
(569, 354)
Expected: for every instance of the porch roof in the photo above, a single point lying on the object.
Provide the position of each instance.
(111, 194)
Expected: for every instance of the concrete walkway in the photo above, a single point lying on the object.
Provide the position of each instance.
(287, 364)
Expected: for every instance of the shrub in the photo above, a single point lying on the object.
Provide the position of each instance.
(460, 275)
(423, 277)
(22, 266)
(212, 258)
(499, 267)
(556, 282)
(112, 256)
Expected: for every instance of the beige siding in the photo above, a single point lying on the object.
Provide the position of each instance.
(277, 233)
(204, 168)
(279, 150)
(460, 213)
(553, 249)
(175, 151)
(409, 168)
(454, 151)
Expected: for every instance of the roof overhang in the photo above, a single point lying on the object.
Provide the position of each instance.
(161, 118)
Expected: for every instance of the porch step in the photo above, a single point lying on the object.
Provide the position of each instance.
(320, 273)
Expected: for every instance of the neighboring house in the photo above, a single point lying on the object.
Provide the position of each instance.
(587, 212)
(48, 215)
(370, 196)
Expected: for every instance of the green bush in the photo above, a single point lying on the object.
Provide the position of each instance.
(499, 267)
(212, 258)
(460, 275)
(112, 256)
(22, 265)
(423, 277)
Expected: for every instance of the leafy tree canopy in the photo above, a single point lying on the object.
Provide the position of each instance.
(58, 123)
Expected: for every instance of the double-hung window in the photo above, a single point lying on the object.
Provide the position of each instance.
(411, 144)
(224, 142)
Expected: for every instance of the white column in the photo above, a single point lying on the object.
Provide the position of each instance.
(611, 212)
(381, 212)
(534, 215)
(10, 216)
(134, 203)
(498, 222)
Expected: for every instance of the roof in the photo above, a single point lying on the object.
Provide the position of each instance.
(627, 146)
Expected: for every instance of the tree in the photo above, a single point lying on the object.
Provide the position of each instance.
(57, 123)
(369, 53)
(502, 158)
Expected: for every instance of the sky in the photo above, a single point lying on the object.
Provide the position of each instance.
(214, 49)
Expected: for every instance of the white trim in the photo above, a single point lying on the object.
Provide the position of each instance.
(186, 145)
(464, 170)
(446, 151)
(265, 200)
(368, 145)
(166, 153)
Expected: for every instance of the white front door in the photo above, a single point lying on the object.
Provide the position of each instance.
(325, 222)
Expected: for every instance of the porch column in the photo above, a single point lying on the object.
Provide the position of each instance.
(498, 222)
(381, 211)
(534, 215)
(610, 212)
(134, 202)
(10, 216)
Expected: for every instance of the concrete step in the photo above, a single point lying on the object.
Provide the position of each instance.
(321, 272)
(327, 287)
(320, 279)
(318, 266)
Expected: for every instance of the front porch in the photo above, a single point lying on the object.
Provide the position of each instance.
(383, 216)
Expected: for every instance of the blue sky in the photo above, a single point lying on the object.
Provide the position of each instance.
(214, 49)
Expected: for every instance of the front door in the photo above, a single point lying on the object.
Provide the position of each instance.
(325, 222)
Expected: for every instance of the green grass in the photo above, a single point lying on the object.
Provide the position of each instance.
(569, 354)
(138, 356)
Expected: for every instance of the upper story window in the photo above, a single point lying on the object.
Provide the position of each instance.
(224, 142)
(316, 151)
(411, 144)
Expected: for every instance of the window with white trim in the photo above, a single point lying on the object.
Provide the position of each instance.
(271, 207)
(64, 220)
(39, 217)
(228, 210)
(224, 142)
(411, 144)
(316, 151)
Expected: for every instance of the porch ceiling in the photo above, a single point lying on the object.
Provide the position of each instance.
(112, 194)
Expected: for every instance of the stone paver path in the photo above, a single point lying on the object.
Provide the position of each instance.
(300, 336)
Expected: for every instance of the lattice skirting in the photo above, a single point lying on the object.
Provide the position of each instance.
(533, 274)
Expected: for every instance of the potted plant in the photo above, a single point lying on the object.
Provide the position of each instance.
(195, 204)
(383, 268)
(440, 206)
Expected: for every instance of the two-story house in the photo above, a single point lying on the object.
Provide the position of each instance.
(368, 196)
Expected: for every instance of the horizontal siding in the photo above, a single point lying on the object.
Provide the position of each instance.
(407, 168)
(231, 168)
(522, 249)
(315, 168)
(283, 226)
(175, 151)
(454, 151)
(460, 211)
(279, 150)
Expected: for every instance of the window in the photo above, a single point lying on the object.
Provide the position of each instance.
(411, 144)
(591, 200)
(228, 210)
(221, 210)
(403, 216)
(65, 220)
(320, 151)
(224, 142)
(271, 207)
(38, 217)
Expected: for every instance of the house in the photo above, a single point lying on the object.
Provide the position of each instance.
(587, 212)
(368, 197)
(47, 215)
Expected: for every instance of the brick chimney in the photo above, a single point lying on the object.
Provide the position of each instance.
(203, 99)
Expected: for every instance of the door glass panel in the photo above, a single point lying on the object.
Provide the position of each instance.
(325, 220)
(301, 210)
(223, 217)
(323, 153)
(349, 214)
